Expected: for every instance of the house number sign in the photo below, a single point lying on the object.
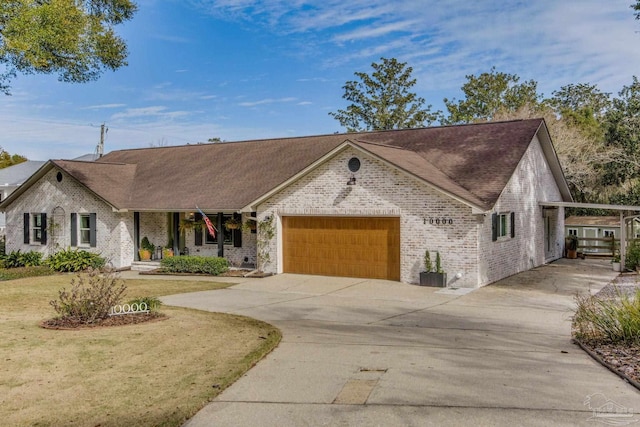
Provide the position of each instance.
(439, 221)
(134, 308)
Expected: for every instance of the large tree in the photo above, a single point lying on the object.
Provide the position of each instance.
(383, 100)
(581, 154)
(582, 105)
(72, 38)
(7, 159)
(489, 93)
(622, 130)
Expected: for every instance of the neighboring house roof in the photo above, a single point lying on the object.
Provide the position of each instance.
(17, 174)
(472, 163)
(592, 221)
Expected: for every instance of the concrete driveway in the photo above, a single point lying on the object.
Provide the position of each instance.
(372, 352)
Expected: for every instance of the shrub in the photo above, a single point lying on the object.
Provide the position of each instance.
(615, 320)
(153, 303)
(16, 259)
(632, 259)
(195, 264)
(91, 296)
(73, 260)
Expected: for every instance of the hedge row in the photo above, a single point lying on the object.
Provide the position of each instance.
(195, 264)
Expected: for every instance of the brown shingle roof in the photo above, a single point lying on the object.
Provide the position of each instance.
(109, 181)
(470, 162)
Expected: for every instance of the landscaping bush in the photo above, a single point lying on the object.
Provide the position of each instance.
(632, 259)
(153, 303)
(74, 260)
(195, 264)
(16, 259)
(615, 320)
(91, 296)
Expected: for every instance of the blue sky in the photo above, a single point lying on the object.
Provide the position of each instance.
(248, 69)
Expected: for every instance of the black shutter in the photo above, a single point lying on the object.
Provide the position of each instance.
(93, 238)
(237, 234)
(43, 228)
(494, 227)
(198, 231)
(26, 228)
(513, 224)
(74, 229)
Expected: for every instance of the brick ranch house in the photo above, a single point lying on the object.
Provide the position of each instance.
(359, 204)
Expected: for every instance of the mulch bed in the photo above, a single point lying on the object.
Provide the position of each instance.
(623, 360)
(122, 320)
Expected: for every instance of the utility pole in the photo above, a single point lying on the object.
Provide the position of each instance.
(100, 149)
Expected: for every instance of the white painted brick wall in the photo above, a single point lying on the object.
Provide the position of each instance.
(384, 191)
(114, 230)
(532, 182)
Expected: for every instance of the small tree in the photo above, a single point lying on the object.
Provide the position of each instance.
(428, 266)
(438, 264)
(382, 100)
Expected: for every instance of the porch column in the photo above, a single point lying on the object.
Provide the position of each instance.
(220, 227)
(176, 233)
(136, 235)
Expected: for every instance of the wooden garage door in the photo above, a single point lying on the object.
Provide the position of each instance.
(342, 246)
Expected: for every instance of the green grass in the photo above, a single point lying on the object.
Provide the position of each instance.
(156, 373)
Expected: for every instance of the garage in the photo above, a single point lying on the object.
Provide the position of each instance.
(367, 247)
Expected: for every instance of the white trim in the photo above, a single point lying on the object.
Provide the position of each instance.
(590, 206)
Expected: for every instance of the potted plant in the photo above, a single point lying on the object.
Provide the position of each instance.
(189, 224)
(250, 225)
(615, 262)
(232, 224)
(571, 243)
(168, 249)
(146, 249)
(433, 276)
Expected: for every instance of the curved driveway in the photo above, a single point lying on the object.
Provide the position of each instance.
(372, 352)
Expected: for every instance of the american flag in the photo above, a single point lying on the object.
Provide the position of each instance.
(207, 221)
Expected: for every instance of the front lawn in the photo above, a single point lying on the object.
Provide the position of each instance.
(156, 373)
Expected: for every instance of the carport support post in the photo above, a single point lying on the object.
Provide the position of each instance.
(623, 240)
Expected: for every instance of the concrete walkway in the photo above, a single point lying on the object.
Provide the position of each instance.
(372, 352)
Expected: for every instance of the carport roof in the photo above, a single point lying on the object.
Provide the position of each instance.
(470, 162)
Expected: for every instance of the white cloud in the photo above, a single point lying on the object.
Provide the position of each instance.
(104, 106)
(265, 101)
(145, 112)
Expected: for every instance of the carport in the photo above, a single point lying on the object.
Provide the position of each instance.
(626, 213)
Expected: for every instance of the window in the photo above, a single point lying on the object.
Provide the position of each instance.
(609, 233)
(573, 232)
(36, 228)
(85, 229)
(502, 225)
(228, 234)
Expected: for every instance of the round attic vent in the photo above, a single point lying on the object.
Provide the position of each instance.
(59, 176)
(354, 164)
